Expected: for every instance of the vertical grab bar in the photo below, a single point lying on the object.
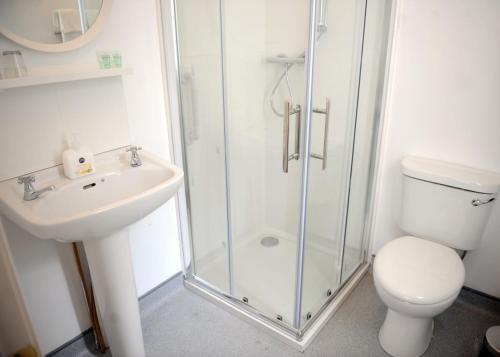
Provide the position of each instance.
(324, 155)
(286, 134)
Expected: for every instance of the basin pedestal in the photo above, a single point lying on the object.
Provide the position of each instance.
(110, 200)
(110, 263)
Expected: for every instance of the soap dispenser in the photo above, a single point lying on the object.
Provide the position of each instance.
(77, 161)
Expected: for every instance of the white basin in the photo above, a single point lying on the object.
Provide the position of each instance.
(97, 209)
(116, 196)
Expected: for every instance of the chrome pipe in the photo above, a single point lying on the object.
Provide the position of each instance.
(226, 150)
(305, 165)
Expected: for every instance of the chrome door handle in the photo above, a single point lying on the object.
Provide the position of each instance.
(326, 112)
(286, 134)
(477, 202)
(297, 111)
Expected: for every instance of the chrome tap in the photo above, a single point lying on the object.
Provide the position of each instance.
(135, 159)
(30, 193)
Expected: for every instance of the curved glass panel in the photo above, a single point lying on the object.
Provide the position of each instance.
(202, 109)
(372, 73)
(339, 38)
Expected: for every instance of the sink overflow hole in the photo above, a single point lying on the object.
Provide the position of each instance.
(90, 185)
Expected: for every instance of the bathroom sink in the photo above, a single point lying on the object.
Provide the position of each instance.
(97, 209)
(93, 206)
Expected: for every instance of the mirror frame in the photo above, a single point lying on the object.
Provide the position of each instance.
(66, 46)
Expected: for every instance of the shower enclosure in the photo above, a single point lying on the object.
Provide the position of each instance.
(277, 126)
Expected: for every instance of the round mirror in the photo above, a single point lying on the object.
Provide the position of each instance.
(52, 25)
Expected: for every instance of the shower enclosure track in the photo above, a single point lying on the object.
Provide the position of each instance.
(297, 338)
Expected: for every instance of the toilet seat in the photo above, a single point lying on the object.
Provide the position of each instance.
(417, 271)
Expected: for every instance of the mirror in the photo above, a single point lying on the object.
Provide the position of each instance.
(52, 25)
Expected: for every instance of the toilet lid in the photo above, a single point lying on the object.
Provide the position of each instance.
(419, 271)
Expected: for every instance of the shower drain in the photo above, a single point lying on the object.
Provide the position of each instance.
(269, 241)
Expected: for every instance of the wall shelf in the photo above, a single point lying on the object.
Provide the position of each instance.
(59, 75)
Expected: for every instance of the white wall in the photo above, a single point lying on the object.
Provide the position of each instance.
(443, 103)
(34, 136)
(15, 324)
(154, 240)
(50, 285)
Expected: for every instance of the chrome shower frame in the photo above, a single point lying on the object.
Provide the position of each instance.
(297, 336)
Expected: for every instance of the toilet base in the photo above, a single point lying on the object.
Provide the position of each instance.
(405, 336)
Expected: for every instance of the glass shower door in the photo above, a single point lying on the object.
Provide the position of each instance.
(337, 62)
(203, 137)
(264, 43)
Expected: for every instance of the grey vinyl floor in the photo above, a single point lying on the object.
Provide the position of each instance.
(176, 322)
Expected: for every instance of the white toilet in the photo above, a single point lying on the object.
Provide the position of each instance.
(443, 206)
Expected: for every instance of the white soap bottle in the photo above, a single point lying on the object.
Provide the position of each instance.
(77, 161)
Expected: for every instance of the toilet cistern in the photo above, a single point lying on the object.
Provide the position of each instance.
(420, 275)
